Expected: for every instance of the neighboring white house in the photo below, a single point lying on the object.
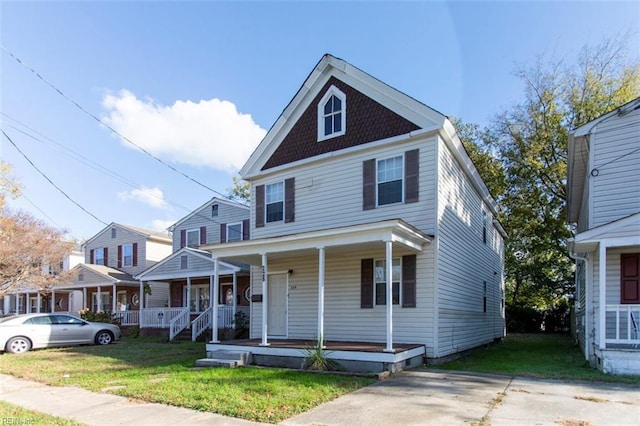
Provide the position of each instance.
(26, 298)
(186, 274)
(369, 225)
(603, 193)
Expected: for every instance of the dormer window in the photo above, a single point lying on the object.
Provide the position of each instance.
(332, 114)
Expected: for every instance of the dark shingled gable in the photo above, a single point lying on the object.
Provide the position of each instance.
(367, 121)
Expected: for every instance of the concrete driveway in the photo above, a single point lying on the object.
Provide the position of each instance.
(421, 397)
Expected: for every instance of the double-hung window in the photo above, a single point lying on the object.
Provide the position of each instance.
(127, 255)
(390, 180)
(380, 277)
(193, 238)
(98, 258)
(234, 232)
(274, 200)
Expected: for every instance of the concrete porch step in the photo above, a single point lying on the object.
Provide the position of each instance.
(221, 358)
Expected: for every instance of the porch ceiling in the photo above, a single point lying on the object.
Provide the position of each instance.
(370, 235)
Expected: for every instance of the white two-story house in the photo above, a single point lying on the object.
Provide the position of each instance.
(186, 274)
(371, 231)
(603, 201)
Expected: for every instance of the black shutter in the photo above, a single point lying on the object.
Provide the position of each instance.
(119, 256)
(183, 238)
(106, 256)
(409, 281)
(366, 283)
(411, 184)
(203, 235)
(289, 200)
(223, 232)
(135, 254)
(91, 257)
(259, 206)
(369, 184)
(245, 229)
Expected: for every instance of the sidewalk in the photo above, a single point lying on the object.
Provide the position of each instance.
(415, 397)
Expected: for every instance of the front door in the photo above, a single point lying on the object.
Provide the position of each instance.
(277, 305)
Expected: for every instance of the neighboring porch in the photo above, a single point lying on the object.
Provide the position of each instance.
(197, 287)
(361, 357)
(612, 295)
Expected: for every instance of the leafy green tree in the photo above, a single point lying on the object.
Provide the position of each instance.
(240, 190)
(522, 156)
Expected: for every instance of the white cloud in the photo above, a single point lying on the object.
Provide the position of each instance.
(150, 196)
(208, 133)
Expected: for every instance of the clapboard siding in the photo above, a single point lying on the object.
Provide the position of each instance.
(328, 194)
(159, 296)
(615, 189)
(344, 319)
(194, 263)
(465, 263)
(150, 251)
(227, 213)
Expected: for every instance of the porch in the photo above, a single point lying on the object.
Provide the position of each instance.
(361, 357)
(622, 327)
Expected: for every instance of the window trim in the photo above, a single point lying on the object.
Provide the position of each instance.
(241, 231)
(124, 255)
(332, 91)
(402, 180)
(96, 251)
(186, 237)
(393, 283)
(198, 290)
(266, 204)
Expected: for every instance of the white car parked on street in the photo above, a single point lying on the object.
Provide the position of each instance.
(20, 333)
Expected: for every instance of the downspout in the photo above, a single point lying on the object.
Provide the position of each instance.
(577, 258)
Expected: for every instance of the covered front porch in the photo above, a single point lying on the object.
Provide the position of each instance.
(612, 294)
(305, 284)
(195, 293)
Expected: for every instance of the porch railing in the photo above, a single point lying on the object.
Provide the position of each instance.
(225, 315)
(158, 317)
(179, 323)
(127, 317)
(200, 324)
(623, 324)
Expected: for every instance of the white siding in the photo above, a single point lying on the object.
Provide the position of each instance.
(159, 296)
(616, 155)
(465, 262)
(226, 214)
(328, 194)
(344, 319)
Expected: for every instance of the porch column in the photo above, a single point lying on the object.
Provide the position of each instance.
(53, 300)
(99, 300)
(113, 299)
(141, 301)
(321, 268)
(85, 304)
(389, 279)
(235, 297)
(214, 301)
(265, 273)
(602, 302)
(188, 301)
(39, 302)
(28, 308)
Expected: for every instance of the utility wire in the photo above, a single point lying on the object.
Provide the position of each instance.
(90, 163)
(93, 116)
(49, 180)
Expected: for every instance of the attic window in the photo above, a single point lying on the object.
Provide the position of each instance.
(332, 114)
(214, 210)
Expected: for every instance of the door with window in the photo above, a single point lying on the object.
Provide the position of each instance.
(277, 305)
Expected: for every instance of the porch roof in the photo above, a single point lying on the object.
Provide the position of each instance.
(622, 232)
(373, 234)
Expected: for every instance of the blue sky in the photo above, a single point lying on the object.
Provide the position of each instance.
(199, 83)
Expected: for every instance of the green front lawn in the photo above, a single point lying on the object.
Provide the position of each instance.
(535, 355)
(162, 372)
(14, 415)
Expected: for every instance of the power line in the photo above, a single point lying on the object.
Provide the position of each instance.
(90, 163)
(49, 180)
(93, 116)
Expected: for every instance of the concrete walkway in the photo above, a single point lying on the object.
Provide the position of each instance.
(417, 397)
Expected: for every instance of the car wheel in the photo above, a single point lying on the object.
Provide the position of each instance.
(104, 338)
(18, 345)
